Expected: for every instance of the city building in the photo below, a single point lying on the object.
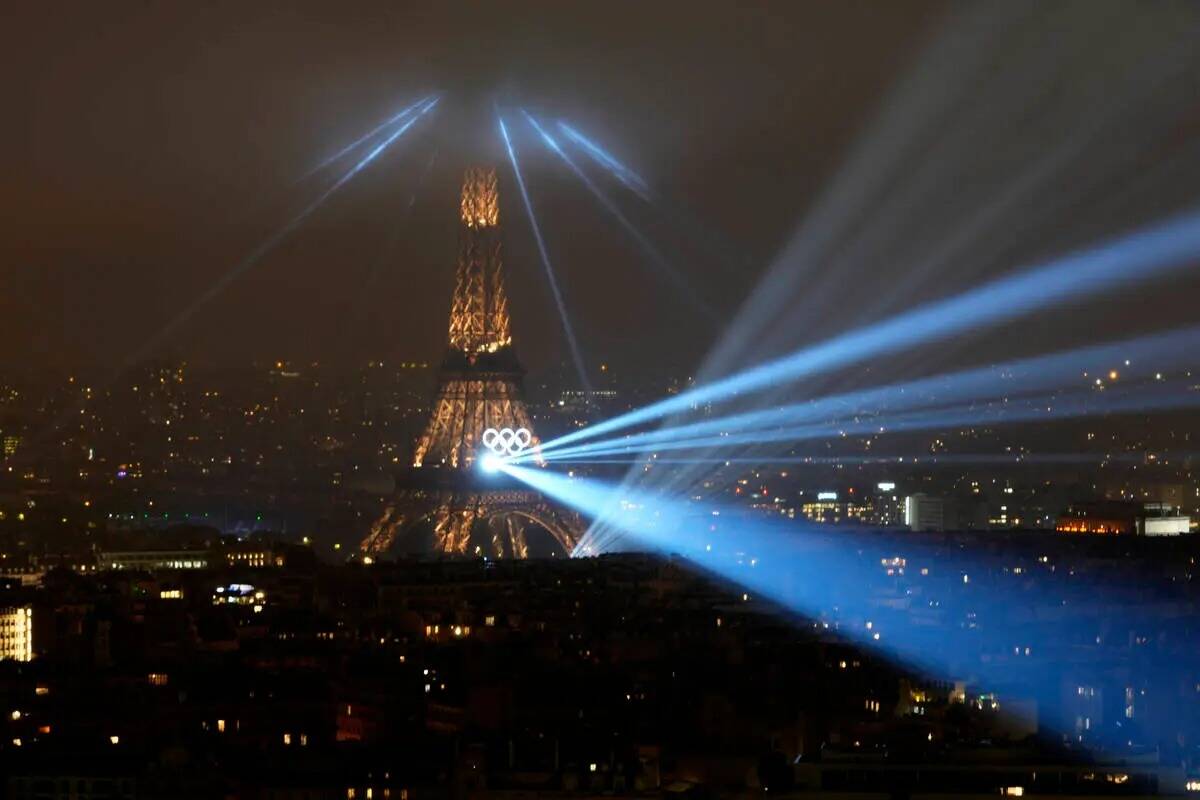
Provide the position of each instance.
(924, 513)
(16, 633)
(1163, 519)
(887, 506)
(826, 508)
(152, 560)
(1124, 518)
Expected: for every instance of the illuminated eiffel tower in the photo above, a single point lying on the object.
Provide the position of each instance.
(479, 388)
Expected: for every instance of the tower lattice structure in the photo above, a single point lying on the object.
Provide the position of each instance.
(479, 387)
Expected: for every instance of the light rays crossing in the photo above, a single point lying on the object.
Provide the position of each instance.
(544, 255)
(366, 137)
(968, 618)
(1154, 252)
(1149, 355)
(630, 179)
(276, 238)
(651, 251)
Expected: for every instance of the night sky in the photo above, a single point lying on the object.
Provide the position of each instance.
(150, 146)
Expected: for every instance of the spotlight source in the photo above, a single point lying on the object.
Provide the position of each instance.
(490, 462)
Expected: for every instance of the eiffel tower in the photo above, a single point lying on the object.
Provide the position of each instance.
(479, 387)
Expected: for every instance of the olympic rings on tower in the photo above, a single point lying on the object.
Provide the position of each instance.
(506, 441)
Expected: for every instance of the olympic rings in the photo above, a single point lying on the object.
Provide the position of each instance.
(506, 441)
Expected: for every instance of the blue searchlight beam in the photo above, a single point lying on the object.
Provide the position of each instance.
(653, 253)
(966, 616)
(622, 173)
(1165, 351)
(544, 255)
(1149, 253)
(267, 245)
(365, 137)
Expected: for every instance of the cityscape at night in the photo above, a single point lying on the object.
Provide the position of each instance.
(692, 400)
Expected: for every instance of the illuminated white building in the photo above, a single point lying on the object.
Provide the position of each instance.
(1162, 519)
(16, 633)
(924, 513)
(152, 560)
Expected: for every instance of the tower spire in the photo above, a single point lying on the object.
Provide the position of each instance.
(480, 376)
(479, 311)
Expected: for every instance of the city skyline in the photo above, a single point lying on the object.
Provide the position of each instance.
(690, 400)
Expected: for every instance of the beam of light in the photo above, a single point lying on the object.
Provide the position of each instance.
(877, 207)
(652, 252)
(952, 106)
(369, 157)
(1083, 403)
(366, 137)
(1152, 252)
(1150, 355)
(718, 248)
(966, 616)
(622, 173)
(906, 459)
(1169, 398)
(1160, 397)
(572, 343)
(272, 241)
(366, 293)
